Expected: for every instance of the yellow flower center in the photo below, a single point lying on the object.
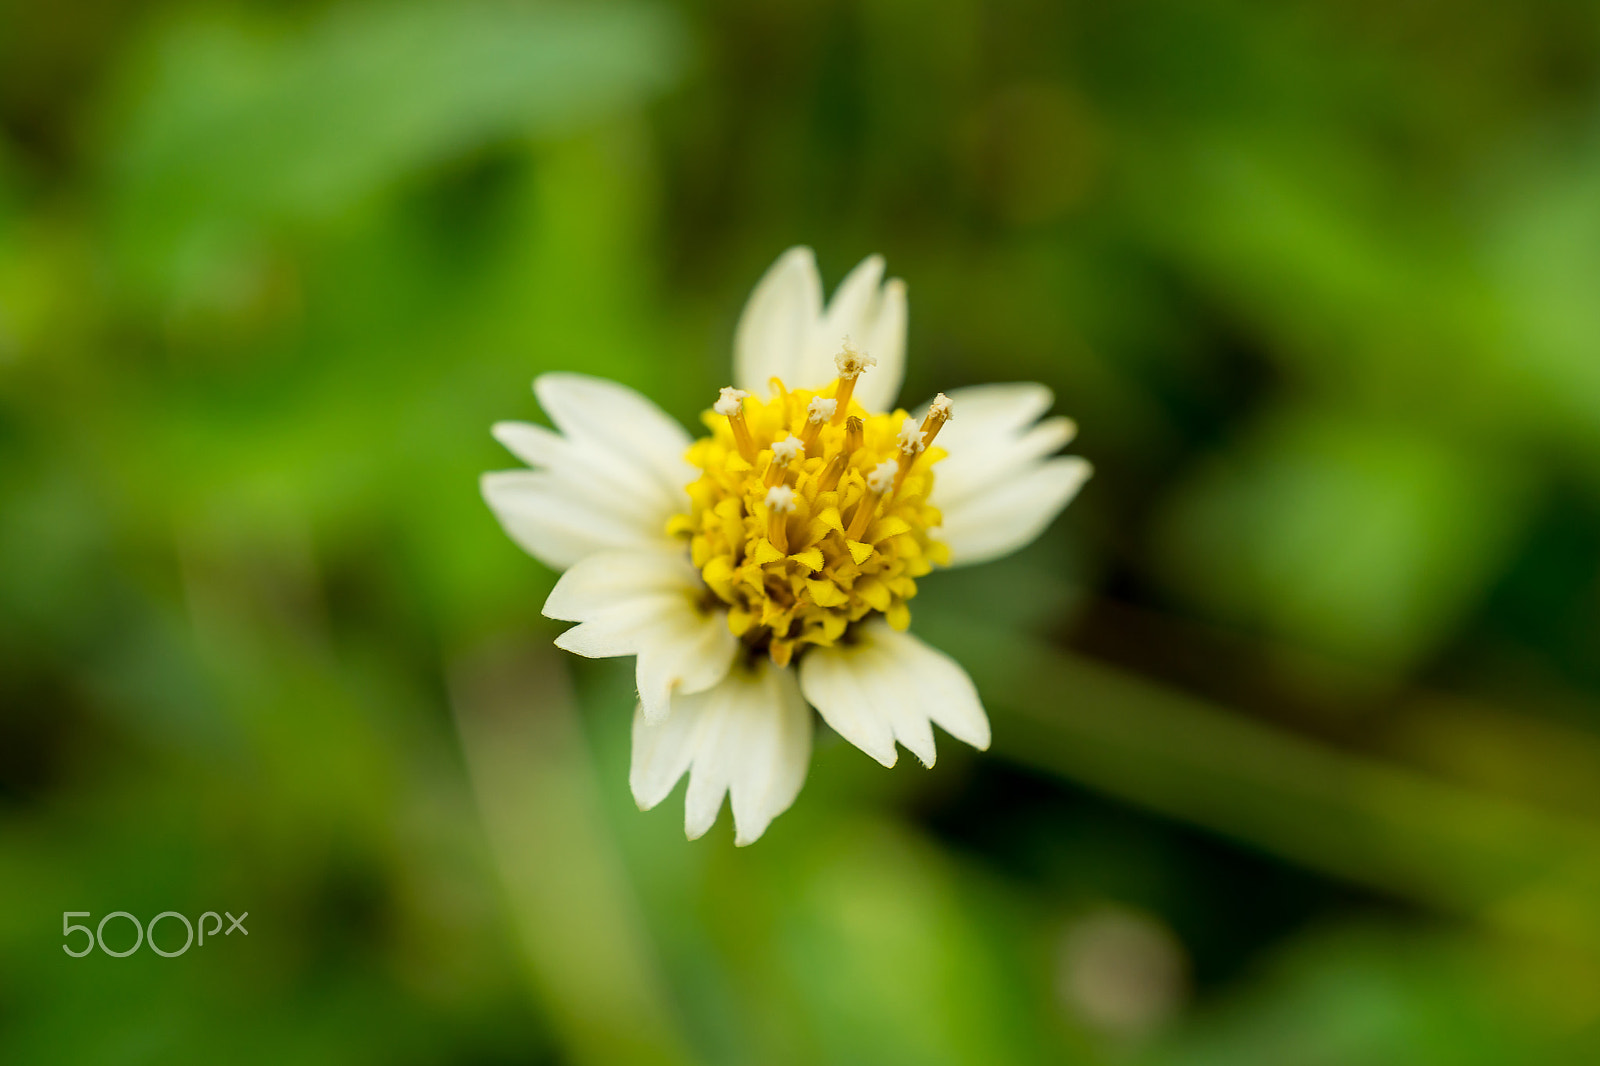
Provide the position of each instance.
(811, 513)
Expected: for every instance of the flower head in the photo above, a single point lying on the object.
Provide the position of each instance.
(844, 548)
(767, 568)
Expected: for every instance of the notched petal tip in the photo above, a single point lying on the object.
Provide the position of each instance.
(504, 428)
(770, 338)
(545, 383)
(571, 640)
(559, 606)
(696, 823)
(655, 705)
(742, 839)
(979, 735)
(491, 483)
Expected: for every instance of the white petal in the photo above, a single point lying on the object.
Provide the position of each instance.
(997, 490)
(645, 603)
(873, 315)
(885, 340)
(944, 691)
(607, 579)
(710, 771)
(859, 310)
(663, 750)
(987, 420)
(854, 305)
(832, 683)
(778, 322)
(557, 522)
(749, 736)
(785, 332)
(626, 628)
(984, 409)
(977, 467)
(620, 425)
(611, 479)
(629, 491)
(776, 754)
(890, 684)
(991, 524)
(690, 655)
(885, 684)
(533, 444)
(680, 649)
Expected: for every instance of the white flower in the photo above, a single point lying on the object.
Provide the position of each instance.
(765, 569)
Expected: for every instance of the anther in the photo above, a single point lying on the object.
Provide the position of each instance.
(879, 482)
(731, 406)
(833, 472)
(912, 442)
(818, 413)
(851, 364)
(780, 504)
(855, 435)
(939, 412)
(783, 453)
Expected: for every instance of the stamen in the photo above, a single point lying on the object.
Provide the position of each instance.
(855, 435)
(833, 472)
(818, 413)
(851, 364)
(879, 482)
(911, 444)
(780, 504)
(939, 412)
(731, 405)
(783, 453)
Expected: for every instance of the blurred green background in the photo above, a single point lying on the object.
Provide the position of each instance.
(1296, 710)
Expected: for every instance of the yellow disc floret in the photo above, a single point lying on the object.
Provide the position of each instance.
(812, 513)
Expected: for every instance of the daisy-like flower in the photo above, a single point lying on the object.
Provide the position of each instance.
(766, 568)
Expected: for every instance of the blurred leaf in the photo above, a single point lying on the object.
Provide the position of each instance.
(1543, 245)
(1359, 539)
(862, 944)
(580, 934)
(1392, 996)
(242, 124)
(1499, 861)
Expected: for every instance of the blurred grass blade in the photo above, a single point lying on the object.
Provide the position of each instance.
(239, 123)
(582, 935)
(1370, 822)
